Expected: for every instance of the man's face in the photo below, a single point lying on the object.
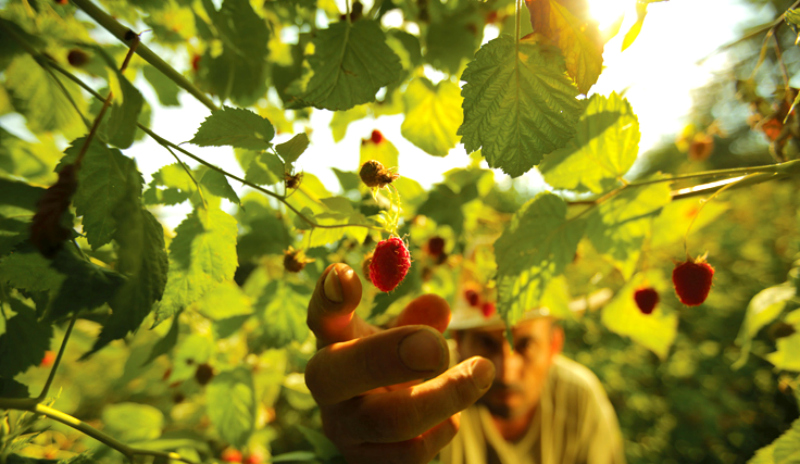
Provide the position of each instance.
(521, 373)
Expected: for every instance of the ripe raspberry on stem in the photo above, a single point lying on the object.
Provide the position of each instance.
(390, 263)
(692, 280)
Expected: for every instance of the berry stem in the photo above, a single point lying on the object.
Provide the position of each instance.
(703, 205)
(60, 354)
(124, 35)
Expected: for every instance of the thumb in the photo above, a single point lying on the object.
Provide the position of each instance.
(331, 310)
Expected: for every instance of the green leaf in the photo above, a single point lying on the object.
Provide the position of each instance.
(119, 126)
(518, 106)
(787, 446)
(603, 150)
(656, 331)
(166, 344)
(323, 447)
(267, 234)
(166, 89)
(202, 254)
(444, 205)
(581, 43)
(787, 357)
(193, 350)
(767, 305)
(133, 422)
(534, 248)
(383, 152)
(240, 71)
(351, 62)
(36, 94)
(20, 194)
(86, 286)
(432, 115)
(231, 405)
(236, 127)
(261, 168)
(217, 184)
(290, 150)
(342, 119)
(103, 184)
(348, 180)
(450, 41)
(339, 211)
(24, 342)
(10, 388)
(225, 301)
(27, 269)
(142, 258)
(283, 314)
(633, 32)
(618, 227)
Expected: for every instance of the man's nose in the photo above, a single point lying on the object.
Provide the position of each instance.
(507, 366)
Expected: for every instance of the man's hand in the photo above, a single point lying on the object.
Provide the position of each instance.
(369, 383)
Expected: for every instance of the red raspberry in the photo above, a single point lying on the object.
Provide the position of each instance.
(488, 309)
(692, 280)
(48, 359)
(390, 263)
(646, 299)
(376, 136)
(231, 455)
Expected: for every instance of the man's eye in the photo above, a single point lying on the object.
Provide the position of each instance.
(523, 345)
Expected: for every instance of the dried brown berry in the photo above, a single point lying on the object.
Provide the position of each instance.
(203, 374)
(365, 265)
(295, 260)
(436, 246)
(77, 58)
(293, 180)
(47, 232)
(374, 174)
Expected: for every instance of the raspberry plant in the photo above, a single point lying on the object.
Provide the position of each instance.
(188, 343)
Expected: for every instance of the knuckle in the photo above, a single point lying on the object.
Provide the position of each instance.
(315, 377)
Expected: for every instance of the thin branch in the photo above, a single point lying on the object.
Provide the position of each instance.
(125, 35)
(57, 362)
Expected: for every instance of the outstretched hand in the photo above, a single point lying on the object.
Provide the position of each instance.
(370, 383)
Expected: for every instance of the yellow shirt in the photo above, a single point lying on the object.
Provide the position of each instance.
(574, 423)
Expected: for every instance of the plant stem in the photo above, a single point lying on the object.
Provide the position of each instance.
(126, 35)
(61, 350)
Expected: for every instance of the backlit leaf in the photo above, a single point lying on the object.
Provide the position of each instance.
(787, 357)
(133, 421)
(236, 127)
(535, 247)
(119, 126)
(603, 150)
(351, 62)
(767, 305)
(432, 115)
(283, 310)
(290, 150)
(166, 89)
(580, 41)
(518, 106)
(655, 331)
(87, 285)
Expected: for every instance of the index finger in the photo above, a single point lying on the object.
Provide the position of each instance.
(331, 311)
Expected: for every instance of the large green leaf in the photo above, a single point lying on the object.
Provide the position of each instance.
(240, 71)
(37, 95)
(351, 62)
(236, 127)
(142, 258)
(784, 450)
(655, 331)
(102, 186)
(535, 247)
(202, 254)
(24, 342)
(87, 285)
(519, 104)
(166, 89)
(432, 115)
(225, 301)
(671, 225)
(618, 227)
(283, 310)
(119, 127)
(231, 405)
(133, 421)
(603, 150)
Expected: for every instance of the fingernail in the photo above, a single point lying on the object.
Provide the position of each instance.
(332, 286)
(421, 351)
(482, 373)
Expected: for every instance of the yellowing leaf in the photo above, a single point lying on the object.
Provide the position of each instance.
(581, 43)
(432, 115)
(655, 331)
(518, 105)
